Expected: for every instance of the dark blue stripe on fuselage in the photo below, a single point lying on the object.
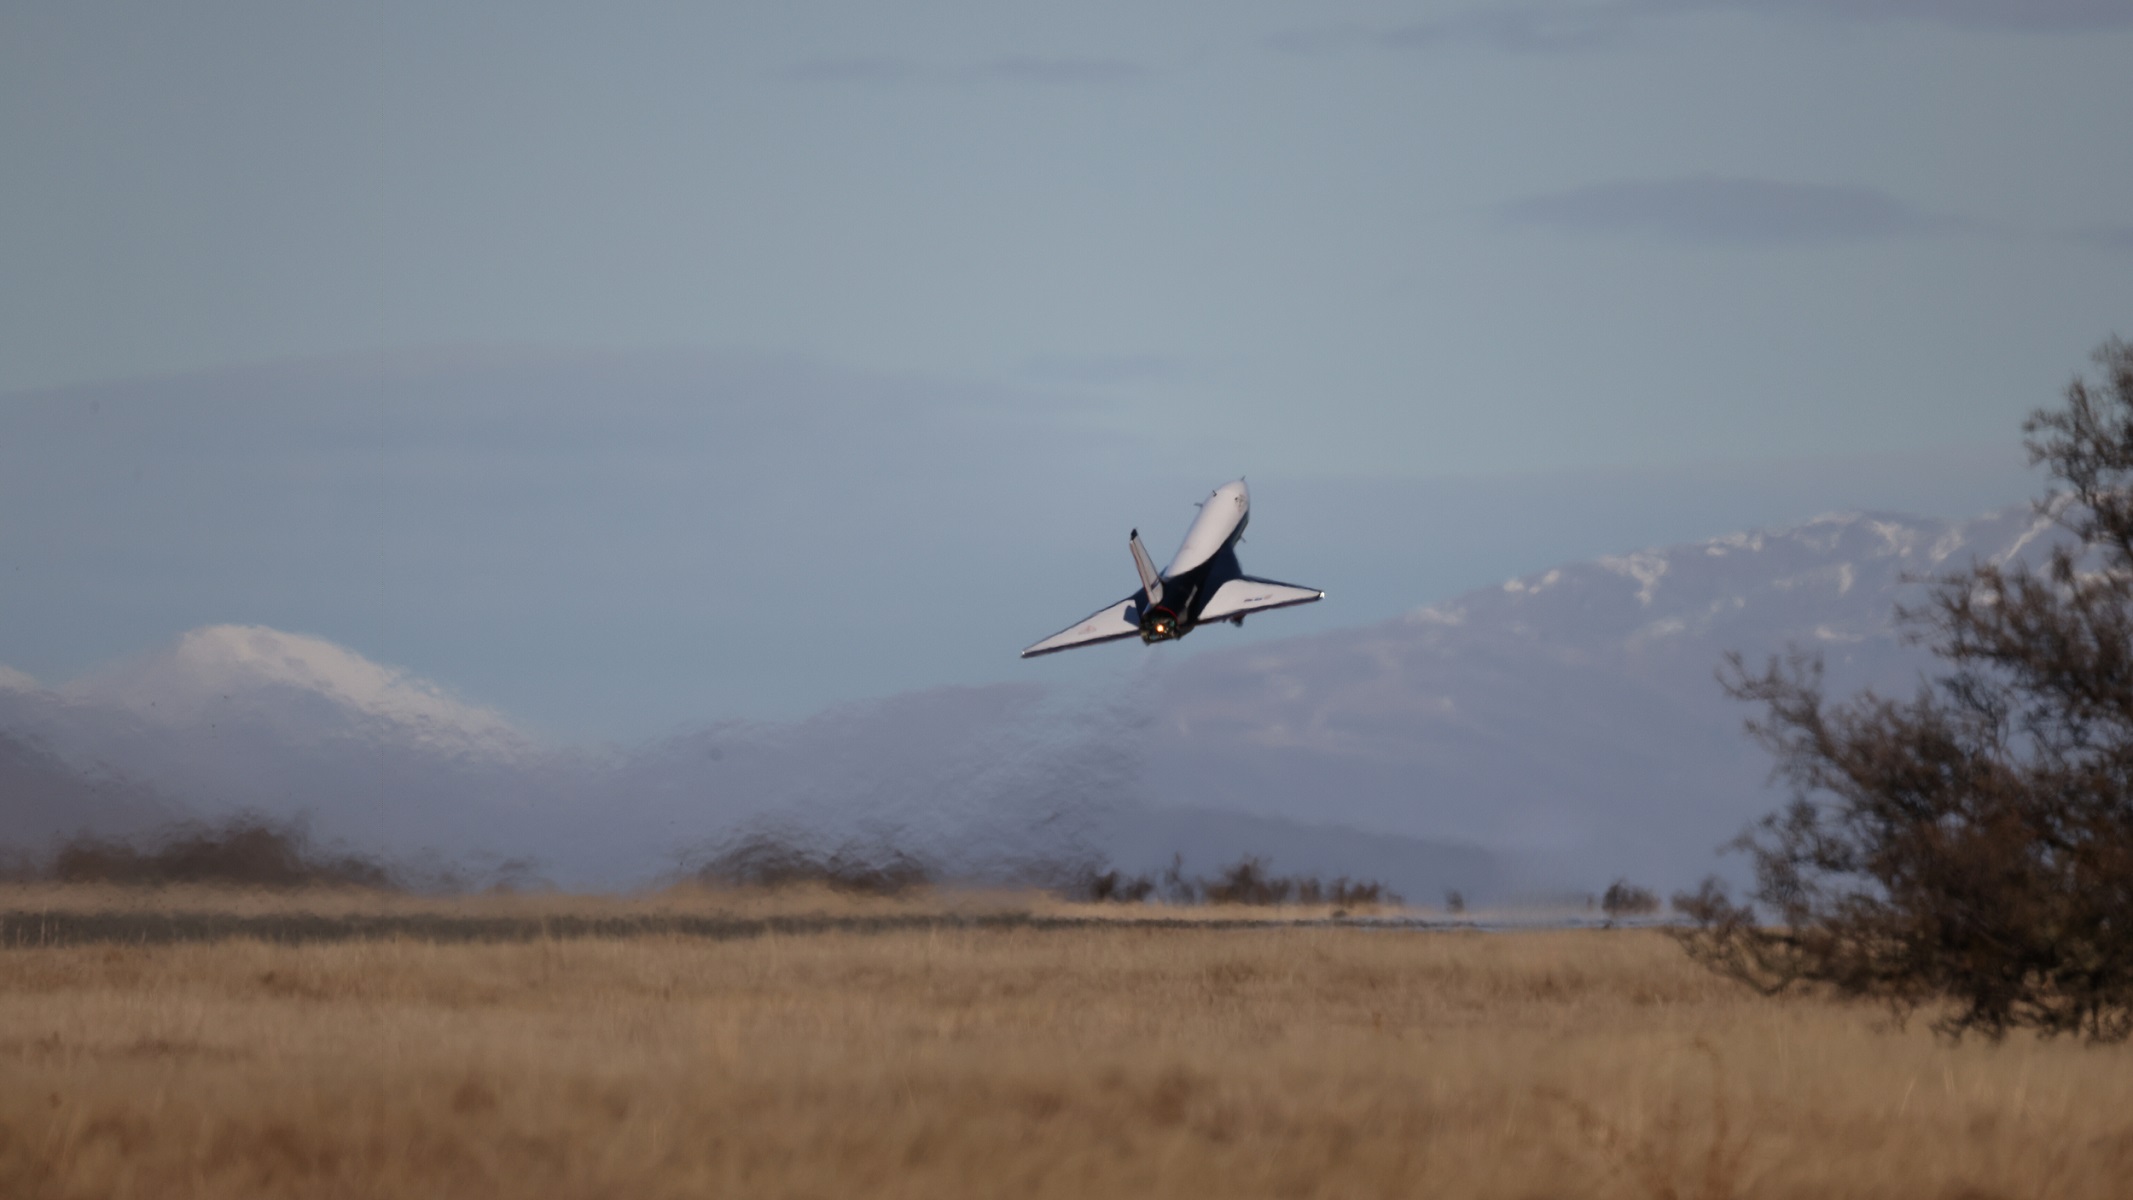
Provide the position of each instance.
(1185, 596)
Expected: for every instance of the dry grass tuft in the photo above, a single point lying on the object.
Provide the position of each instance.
(1663, 1161)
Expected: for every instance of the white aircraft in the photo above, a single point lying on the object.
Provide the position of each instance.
(1202, 584)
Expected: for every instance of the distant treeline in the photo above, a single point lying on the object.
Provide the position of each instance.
(774, 859)
(253, 851)
(763, 859)
(1249, 880)
(245, 851)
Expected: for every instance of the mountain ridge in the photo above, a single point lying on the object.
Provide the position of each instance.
(1575, 706)
(1561, 727)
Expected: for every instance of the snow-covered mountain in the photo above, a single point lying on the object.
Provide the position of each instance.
(987, 782)
(303, 688)
(245, 717)
(1572, 715)
(1550, 732)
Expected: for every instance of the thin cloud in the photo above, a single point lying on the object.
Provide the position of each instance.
(1542, 28)
(1520, 31)
(1035, 70)
(863, 69)
(2110, 237)
(1725, 211)
(1103, 370)
(2013, 16)
(1514, 29)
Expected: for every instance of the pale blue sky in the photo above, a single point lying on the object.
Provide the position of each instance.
(1358, 251)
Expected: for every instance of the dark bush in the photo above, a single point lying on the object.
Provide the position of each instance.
(1969, 849)
(246, 851)
(769, 859)
(1111, 886)
(1625, 899)
(1246, 881)
(1359, 893)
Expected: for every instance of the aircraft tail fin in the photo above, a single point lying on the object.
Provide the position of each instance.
(1150, 581)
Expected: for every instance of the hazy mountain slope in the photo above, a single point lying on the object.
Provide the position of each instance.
(247, 718)
(1551, 732)
(1571, 715)
(45, 798)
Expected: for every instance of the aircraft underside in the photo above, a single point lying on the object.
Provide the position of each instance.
(1204, 583)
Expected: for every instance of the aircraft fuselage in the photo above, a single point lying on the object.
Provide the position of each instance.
(1202, 584)
(1205, 561)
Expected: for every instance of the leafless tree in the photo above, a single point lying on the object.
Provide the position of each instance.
(1968, 851)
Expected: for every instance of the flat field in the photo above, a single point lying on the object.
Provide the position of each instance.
(806, 1045)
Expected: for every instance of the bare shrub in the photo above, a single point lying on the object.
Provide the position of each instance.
(772, 859)
(1626, 899)
(1970, 848)
(1360, 893)
(1177, 886)
(1248, 881)
(246, 851)
(1111, 886)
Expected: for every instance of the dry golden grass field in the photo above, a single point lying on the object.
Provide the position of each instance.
(953, 1047)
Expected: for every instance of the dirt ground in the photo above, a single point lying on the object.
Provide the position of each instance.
(974, 1046)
